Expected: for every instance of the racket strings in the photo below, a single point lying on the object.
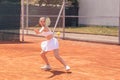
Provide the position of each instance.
(48, 21)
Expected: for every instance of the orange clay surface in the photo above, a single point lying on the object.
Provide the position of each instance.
(88, 61)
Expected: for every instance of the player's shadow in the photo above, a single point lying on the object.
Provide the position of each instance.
(56, 73)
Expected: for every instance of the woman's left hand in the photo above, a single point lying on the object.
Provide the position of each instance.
(36, 31)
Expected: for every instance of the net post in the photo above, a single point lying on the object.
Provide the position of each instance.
(119, 26)
(27, 14)
(22, 19)
(119, 32)
(63, 19)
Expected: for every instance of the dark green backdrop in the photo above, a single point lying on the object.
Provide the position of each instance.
(10, 20)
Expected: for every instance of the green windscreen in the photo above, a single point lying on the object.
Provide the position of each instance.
(10, 20)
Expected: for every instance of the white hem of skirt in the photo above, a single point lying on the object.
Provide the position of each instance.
(49, 45)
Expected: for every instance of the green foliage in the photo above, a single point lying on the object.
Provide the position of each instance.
(74, 3)
(95, 30)
(50, 2)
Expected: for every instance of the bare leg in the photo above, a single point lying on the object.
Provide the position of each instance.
(56, 53)
(47, 66)
(43, 56)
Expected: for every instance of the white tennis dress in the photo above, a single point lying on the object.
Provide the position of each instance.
(51, 44)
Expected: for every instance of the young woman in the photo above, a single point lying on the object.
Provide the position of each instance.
(51, 44)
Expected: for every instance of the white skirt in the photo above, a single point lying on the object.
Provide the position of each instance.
(49, 45)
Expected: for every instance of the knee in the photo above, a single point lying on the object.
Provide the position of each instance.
(57, 56)
(42, 53)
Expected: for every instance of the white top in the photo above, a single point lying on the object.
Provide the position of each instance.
(43, 33)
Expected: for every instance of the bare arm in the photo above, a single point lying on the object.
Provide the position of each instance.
(37, 31)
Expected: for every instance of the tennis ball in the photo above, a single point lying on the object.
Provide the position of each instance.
(58, 33)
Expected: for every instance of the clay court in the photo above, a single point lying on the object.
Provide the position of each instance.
(88, 61)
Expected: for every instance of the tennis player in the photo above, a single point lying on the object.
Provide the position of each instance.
(51, 44)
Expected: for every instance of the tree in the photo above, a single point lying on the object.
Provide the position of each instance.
(74, 2)
(50, 2)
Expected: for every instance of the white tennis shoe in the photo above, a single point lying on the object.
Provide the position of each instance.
(67, 68)
(46, 67)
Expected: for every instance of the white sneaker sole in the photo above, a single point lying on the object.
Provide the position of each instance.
(67, 68)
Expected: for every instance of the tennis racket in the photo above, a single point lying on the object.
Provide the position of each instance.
(47, 21)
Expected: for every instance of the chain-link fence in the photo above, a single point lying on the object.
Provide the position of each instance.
(88, 20)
